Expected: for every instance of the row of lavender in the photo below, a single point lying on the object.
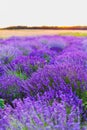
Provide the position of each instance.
(43, 83)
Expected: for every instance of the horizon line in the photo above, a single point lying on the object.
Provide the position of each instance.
(46, 27)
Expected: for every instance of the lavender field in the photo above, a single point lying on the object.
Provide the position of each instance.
(43, 83)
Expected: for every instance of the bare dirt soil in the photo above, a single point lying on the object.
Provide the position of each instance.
(33, 32)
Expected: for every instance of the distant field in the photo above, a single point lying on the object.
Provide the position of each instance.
(9, 33)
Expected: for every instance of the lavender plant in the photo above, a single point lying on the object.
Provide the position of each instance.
(43, 83)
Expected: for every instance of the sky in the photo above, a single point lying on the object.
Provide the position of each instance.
(43, 12)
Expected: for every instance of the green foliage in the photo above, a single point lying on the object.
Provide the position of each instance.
(20, 75)
(77, 34)
(51, 81)
(34, 67)
(2, 105)
(33, 121)
(79, 92)
(67, 80)
(68, 109)
(7, 60)
(78, 89)
(14, 92)
(25, 128)
(45, 124)
(47, 58)
(78, 83)
(84, 99)
(82, 95)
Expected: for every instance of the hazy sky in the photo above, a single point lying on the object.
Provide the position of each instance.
(43, 12)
